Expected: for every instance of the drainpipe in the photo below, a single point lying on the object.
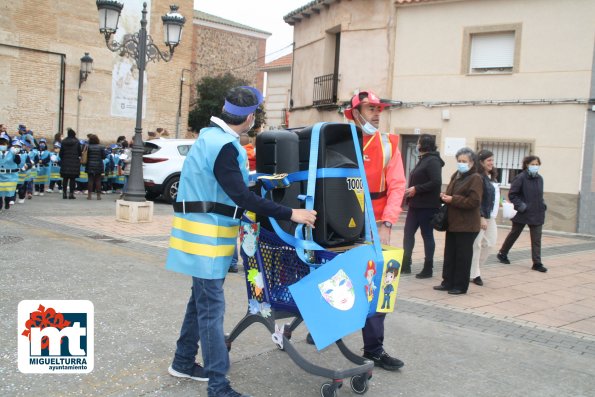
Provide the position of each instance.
(62, 79)
(179, 115)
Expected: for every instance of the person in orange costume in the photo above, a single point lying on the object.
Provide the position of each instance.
(386, 180)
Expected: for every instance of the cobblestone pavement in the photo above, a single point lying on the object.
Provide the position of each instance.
(546, 320)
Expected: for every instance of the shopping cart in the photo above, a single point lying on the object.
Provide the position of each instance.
(278, 260)
(271, 301)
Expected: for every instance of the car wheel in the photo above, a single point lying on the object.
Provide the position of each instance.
(171, 189)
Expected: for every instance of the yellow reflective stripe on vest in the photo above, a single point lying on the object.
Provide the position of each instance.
(205, 229)
(211, 251)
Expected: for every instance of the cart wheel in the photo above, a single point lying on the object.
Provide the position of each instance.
(359, 383)
(328, 390)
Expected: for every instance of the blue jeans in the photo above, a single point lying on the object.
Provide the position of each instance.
(234, 260)
(204, 321)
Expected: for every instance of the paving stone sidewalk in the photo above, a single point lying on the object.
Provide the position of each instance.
(534, 332)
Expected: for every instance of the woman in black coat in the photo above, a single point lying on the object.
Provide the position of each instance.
(423, 199)
(94, 166)
(526, 193)
(70, 163)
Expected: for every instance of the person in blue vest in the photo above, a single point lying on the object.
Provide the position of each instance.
(212, 197)
(33, 158)
(9, 172)
(43, 168)
(24, 165)
(55, 178)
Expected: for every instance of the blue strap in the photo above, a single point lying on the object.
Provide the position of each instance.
(311, 189)
(369, 210)
(313, 172)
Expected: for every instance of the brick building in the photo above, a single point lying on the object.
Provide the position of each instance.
(41, 44)
(222, 46)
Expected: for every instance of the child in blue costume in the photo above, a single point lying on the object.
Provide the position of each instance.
(43, 168)
(31, 171)
(9, 172)
(55, 178)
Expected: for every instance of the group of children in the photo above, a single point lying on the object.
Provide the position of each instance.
(29, 168)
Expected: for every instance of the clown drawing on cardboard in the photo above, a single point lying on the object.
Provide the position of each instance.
(370, 286)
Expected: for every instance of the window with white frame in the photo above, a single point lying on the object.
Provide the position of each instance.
(491, 49)
(492, 52)
(508, 158)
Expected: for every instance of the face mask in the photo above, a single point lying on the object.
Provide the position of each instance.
(533, 169)
(42, 147)
(3, 148)
(250, 127)
(367, 127)
(463, 167)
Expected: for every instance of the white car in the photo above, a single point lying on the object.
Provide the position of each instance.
(162, 164)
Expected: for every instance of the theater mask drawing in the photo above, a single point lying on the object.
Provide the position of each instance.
(338, 291)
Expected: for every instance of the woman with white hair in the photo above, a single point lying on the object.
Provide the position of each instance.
(463, 198)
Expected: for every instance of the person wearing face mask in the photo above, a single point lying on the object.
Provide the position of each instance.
(213, 194)
(463, 198)
(423, 199)
(386, 180)
(526, 193)
(9, 172)
(43, 168)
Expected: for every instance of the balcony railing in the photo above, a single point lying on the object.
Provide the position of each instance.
(325, 90)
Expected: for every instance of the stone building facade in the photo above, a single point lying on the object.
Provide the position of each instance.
(222, 46)
(41, 43)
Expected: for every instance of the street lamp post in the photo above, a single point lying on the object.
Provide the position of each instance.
(140, 48)
(86, 69)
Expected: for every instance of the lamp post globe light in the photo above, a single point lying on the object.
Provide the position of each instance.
(141, 49)
(86, 68)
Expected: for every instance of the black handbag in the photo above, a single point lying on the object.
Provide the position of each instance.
(440, 219)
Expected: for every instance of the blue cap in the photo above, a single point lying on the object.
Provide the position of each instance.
(57, 144)
(42, 140)
(17, 142)
(244, 111)
(22, 127)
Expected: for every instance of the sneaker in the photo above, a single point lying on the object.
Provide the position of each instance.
(36, 194)
(11, 202)
(21, 201)
(233, 269)
(60, 191)
(503, 258)
(197, 373)
(385, 361)
(29, 196)
(49, 191)
(41, 193)
(229, 392)
(478, 281)
(539, 267)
